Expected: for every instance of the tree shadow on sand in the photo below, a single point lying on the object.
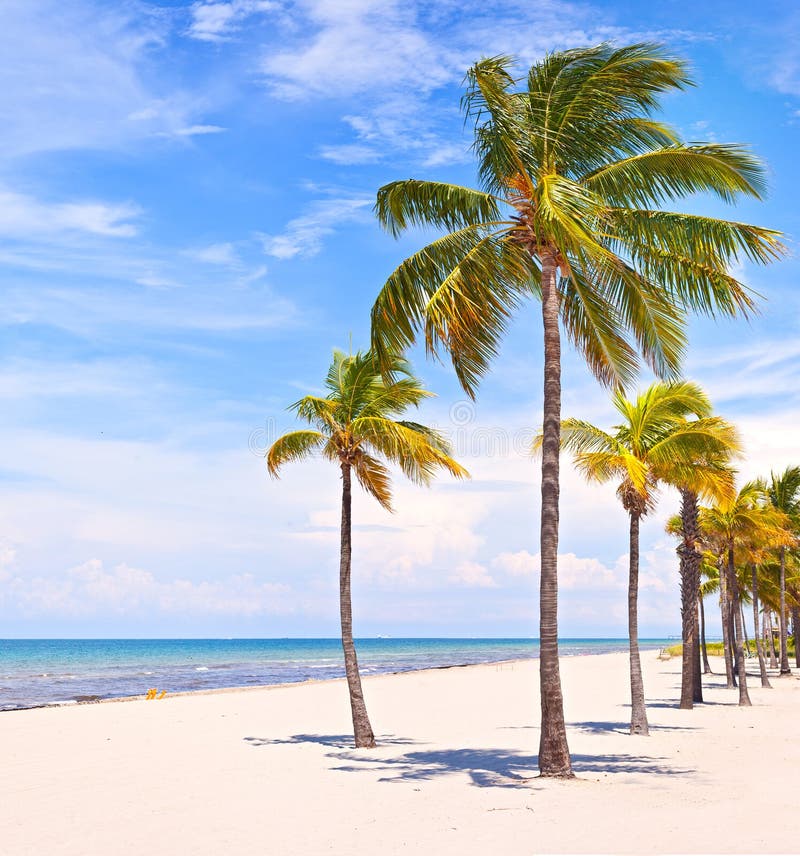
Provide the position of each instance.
(486, 768)
(621, 727)
(336, 741)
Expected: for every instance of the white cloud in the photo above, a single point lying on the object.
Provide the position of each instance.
(574, 572)
(90, 590)
(472, 575)
(217, 21)
(24, 215)
(518, 564)
(197, 130)
(303, 235)
(350, 153)
(216, 254)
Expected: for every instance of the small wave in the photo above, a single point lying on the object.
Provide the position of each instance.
(201, 669)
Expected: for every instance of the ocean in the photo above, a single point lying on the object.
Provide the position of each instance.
(36, 672)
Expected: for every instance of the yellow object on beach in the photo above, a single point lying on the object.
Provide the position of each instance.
(153, 693)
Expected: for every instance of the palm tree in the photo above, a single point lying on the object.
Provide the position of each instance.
(572, 170)
(354, 426)
(735, 525)
(784, 494)
(710, 475)
(655, 443)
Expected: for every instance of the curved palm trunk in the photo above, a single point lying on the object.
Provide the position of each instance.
(706, 664)
(689, 586)
(362, 730)
(554, 759)
(638, 709)
(796, 632)
(762, 663)
(725, 609)
(785, 670)
(744, 697)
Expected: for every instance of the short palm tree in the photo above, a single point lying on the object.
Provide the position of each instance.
(784, 494)
(734, 526)
(655, 443)
(355, 427)
(573, 171)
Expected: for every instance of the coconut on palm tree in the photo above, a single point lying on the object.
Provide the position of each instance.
(356, 427)
(784, 494)
(655, 443)
(573, 172)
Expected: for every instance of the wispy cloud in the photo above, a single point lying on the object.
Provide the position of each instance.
(214, 21)
(303, 235)
(24, 215)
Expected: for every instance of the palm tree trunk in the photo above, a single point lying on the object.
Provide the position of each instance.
(689, 586)
(769, 640)
(362, 729)
(724, 605)
(744, 629)
(706, 664)
(785, 670)
(762, 664)
(738, 633)
(698, 670)
(554, 759)
(638, 709)
(796, 633)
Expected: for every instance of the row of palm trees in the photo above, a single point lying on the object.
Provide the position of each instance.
(668, 436)
(575, 174)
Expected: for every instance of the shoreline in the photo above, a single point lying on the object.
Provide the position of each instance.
(306, 682)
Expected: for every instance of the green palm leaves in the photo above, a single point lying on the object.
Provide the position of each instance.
(572, 168)
(667, 435)
(355, 425)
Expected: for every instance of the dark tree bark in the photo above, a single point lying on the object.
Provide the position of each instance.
(784, 648)
(362, 729)
(762, 664)
(725, 609)
(796, 633)
(690, 587)
(698, 671)
(638, 709)
(738, 634)
(554, 759)
(706, 664)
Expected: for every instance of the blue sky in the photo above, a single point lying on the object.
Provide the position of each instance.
(186, 233)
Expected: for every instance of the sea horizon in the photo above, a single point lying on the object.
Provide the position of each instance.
(38, 672)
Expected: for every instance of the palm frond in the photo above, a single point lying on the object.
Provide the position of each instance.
(293, 446)
(401, 204)
(674, 172)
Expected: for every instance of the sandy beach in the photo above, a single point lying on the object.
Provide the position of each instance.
(272, 771)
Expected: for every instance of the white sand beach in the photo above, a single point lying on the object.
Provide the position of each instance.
(272, 771)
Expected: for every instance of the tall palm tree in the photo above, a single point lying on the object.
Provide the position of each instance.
(784, 494)
(655, 443)
(735, 525)
(573, 170)
(355, 427)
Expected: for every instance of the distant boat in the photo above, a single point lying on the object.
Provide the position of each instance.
(382, 637)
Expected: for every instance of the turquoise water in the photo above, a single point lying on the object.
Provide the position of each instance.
(57, 671)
